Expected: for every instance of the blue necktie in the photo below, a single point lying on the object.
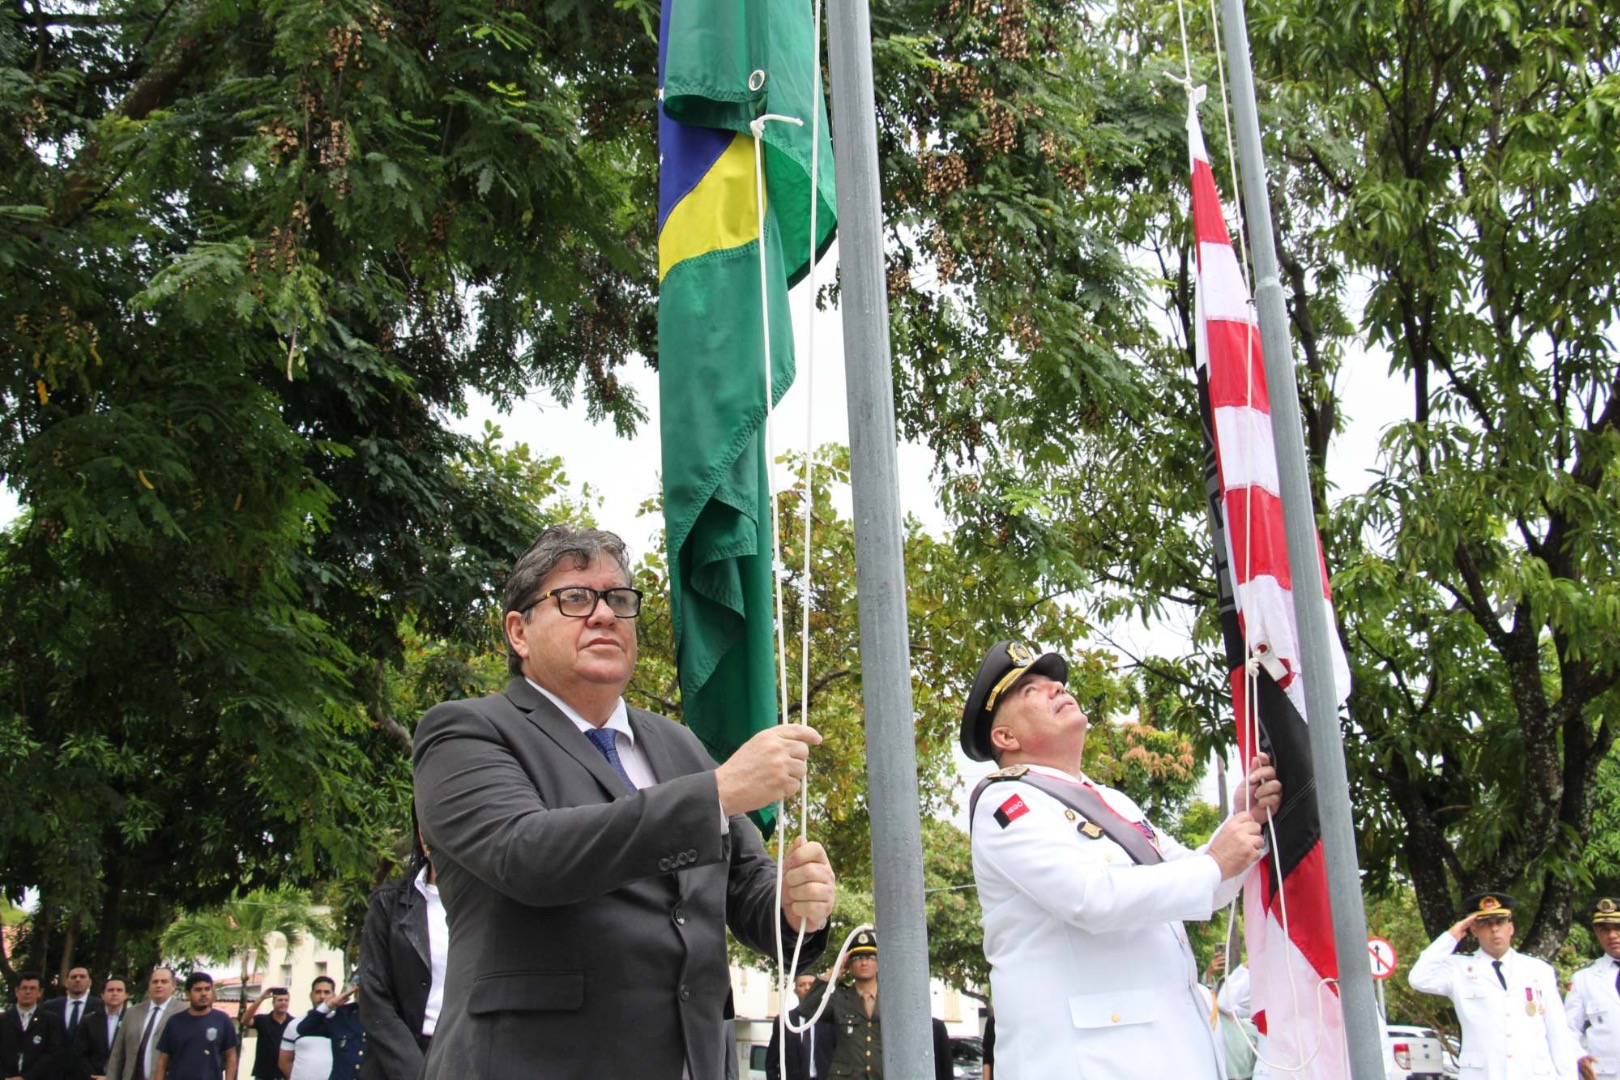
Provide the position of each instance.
(73, 1021)
(604, 739)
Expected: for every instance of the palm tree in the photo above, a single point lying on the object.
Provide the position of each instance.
(245, 928)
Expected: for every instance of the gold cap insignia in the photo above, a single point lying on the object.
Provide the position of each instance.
(1489, 903)
(1607, 906)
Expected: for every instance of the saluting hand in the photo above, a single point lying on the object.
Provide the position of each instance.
(1460, 928)
(1263, 791)
(808, 886)
(766, 768)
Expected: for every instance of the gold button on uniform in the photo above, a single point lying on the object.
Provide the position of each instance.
(1115, 1018)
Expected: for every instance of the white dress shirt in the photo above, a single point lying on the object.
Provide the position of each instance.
(1593, 1011)
(438, 951)
(631, 756)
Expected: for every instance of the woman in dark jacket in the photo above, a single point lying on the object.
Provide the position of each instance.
(402, 965)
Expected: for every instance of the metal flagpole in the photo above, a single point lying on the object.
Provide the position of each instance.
(891, 757)
(1361, 1023)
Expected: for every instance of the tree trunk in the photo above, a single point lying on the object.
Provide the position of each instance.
(39, 949)
(112, 916)
(70, 942)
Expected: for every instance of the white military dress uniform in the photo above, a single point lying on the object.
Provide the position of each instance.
(1593, 1012)
(1514, 1033)
(1090, 967)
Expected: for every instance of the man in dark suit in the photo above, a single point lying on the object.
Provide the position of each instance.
(591, 856)
(32, 1044)
(90, 1045)
(809, 1053)
(72, 1007)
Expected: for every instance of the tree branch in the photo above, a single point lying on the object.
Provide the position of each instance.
(153, 90)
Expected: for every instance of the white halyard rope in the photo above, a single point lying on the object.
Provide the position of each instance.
(757, 127)
(1250, 719)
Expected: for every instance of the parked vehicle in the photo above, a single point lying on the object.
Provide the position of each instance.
(967, 1057)
(1416, 1053)
(753, 1042)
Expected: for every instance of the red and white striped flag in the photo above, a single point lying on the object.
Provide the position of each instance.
(1287, 921)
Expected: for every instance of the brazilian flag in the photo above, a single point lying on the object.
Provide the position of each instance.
(721, 63)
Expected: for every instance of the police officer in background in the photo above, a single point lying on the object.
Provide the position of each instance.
(1593, 1005)
(1512, 1018)
(857, 1026)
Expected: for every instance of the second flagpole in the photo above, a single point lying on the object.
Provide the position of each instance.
(1362, 1025)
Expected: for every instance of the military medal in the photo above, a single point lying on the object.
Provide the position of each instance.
(1530, 1008)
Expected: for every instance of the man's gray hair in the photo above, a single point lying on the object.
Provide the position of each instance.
(556, 544)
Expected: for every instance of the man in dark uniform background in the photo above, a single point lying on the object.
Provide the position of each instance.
(857, 1025)
(809, 1053)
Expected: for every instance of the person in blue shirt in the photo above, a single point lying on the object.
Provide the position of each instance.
(339, 1022)
(200, 1043)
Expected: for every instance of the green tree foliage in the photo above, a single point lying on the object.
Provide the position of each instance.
(253, 257)
(1446, 182)
(245, 929)
(957, 611)
(1462, 158)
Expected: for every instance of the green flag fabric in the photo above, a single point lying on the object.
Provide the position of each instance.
(721, 64)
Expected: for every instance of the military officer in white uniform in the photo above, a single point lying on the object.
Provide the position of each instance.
(1090, 967)
(1513, 1025)
(1593, 1005)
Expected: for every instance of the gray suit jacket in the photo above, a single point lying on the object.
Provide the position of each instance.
(123, 1061)
(587, 923)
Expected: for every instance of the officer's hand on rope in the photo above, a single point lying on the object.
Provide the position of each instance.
(1237, 845)
(766, 768)
(808, 886)
(1264, 793)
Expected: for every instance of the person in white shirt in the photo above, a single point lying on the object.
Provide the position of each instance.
(1593, 1005)
(309, 1057)
(1512, 1018)
(1083, 900)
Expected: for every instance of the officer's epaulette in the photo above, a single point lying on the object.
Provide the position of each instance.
(1011, 772)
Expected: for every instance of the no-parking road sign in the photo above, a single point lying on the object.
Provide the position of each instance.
(1382, 954)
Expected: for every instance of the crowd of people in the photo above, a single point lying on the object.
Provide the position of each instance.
(377, 1028)
(592, 858)
(177, 1032)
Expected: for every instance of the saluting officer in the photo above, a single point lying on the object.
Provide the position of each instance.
(857, 1025)
(1512, 1018)
(1593, 1005)
(1083, 900)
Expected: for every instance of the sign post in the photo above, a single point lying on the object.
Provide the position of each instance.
(1382, 955)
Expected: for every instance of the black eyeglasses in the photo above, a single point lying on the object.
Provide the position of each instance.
(578, 601)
